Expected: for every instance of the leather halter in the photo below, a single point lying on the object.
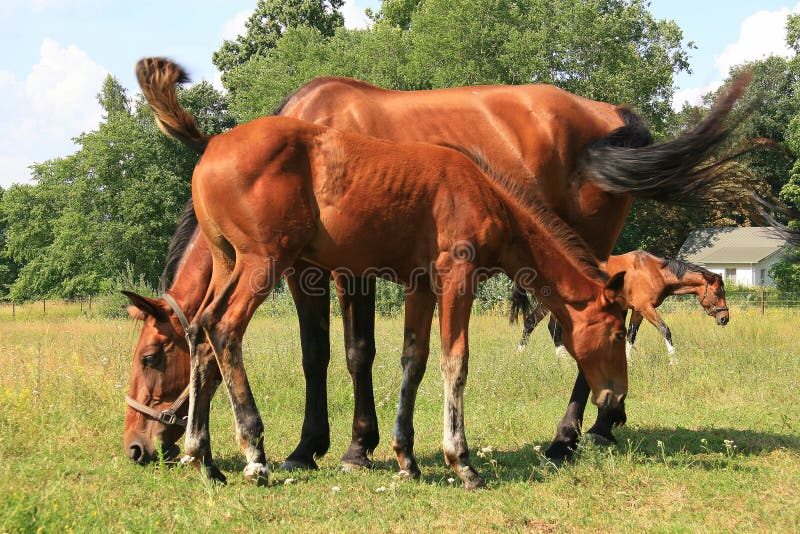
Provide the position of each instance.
(714, 310)
(169, 416)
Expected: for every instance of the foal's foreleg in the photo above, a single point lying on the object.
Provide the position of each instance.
(416, 347)
(357, 301)
(455, 305)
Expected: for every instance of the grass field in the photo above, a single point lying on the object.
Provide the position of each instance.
(712, 443)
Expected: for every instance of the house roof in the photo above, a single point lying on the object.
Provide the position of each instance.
(731, 245)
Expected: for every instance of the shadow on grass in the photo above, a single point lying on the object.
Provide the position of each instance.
(706, 449)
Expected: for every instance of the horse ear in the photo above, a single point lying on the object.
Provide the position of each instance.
(143, 306)
(615, 289)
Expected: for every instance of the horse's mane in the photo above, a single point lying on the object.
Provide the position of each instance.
(183, 235)
(679, 268)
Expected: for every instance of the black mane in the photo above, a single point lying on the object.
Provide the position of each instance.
(679, 268)
(187, 226)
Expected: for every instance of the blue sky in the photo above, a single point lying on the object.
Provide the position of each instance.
(57, 52)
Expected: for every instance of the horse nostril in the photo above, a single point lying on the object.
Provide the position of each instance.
(723, 321)
(136, 453)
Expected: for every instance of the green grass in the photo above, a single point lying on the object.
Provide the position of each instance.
(62, 466)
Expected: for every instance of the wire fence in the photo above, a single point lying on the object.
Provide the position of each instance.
(490, 299)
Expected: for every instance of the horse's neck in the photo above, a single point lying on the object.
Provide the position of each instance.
(691, 282)
(542, 263)
(192, 277)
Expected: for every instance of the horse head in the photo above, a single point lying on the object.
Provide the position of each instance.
(159, 375)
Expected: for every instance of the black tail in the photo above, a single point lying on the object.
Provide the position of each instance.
(681, 171)
(158, 77)
(520, 303)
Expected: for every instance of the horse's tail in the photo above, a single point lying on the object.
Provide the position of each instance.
(683, 171)
(519, 303)
(158, 77)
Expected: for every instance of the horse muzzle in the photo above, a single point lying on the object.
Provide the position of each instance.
(722, 317)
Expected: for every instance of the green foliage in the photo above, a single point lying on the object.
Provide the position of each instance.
(786, 275)
(438, 43)
(115, 202)
(270, 20)
(112, 303)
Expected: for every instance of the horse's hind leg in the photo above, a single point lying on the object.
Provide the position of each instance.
(310, 287)
(224, 323)
(357, 301)
(416, 347)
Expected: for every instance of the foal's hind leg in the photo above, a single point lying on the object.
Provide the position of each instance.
(224, 322)
(357, 300)
(310, 287)
(416, 347)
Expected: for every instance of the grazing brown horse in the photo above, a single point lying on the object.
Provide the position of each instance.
(539, 137)
(649, 279)
(277, 189)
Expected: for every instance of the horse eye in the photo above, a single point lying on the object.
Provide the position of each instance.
(620, 336)
(152, 360)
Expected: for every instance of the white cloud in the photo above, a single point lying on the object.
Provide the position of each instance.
(354, 17)
(235, 26)
(762, 34)
(693, 95)
(42, 113)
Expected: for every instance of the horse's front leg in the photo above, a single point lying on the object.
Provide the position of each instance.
(655, 319)
(633, 329)
(455, 305)
(566, 441)
(310, 287)
(357, 301)
(416, 346)
(204, 380)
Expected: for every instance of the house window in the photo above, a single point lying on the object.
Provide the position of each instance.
(730, 274)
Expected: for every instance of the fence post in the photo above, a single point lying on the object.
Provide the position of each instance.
(762, 301)
(44, 306)
(90, 304)
(13, 309)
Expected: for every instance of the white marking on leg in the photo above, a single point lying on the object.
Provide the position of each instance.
(628, 350)
(670, 348)
(562, 351)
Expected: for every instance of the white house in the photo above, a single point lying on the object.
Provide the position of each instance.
(741, 255)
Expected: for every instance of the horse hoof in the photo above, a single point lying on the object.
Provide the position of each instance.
(597, 440)
(299, 465)
(473, 483)
(409, 474)
(552, 464)
(257, 473)
(562, 352)
(351, 466)
(212, 473)
(520, 348)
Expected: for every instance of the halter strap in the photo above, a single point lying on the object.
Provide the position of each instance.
(168, 416)
(714, 309)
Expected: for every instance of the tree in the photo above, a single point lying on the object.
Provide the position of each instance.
(110, 206)
(270, 20)
(609, 50)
